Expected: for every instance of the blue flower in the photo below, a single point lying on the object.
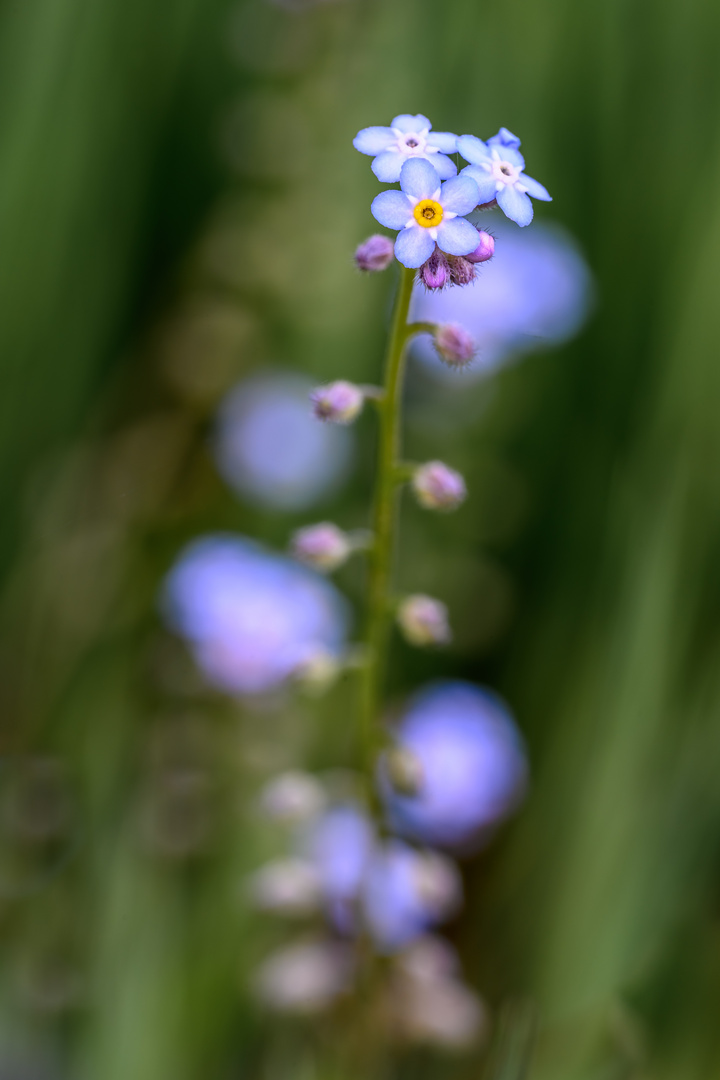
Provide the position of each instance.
(405, 892)
(427, 213)
(497, 168)
(250, 617)
(471, 764)
(407, 137)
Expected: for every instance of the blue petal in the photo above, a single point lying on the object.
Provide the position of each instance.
(485, 181)
(515, 205)
(391, 209)
(444, 166)
(387, 166)
(457, 237)
(473, 149)
(373, 140)
(406, 123)
(509, 153)
(414, 246)
(418, 178)
(459, 195)
(535, 188)
(445, 141)
(504, 138)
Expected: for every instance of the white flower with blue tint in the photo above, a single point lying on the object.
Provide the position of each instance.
(497, 168)
(427, 213)
(407, 137)
(471, 760)
(251, 618)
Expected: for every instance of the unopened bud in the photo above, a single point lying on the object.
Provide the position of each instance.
(323, 546)
(318, 671)
(462, 272)
(292, 797)
(435, 273)
(454, 344)
(438, 487)
(423, 620)
(340, 402)
(375, 253)
(404, 770)
(305, 978)
(439, 885)
(287, 887)
(485, 249)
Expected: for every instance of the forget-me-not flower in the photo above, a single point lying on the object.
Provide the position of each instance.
(427, 213)
(471, 763)
(497, 168)
(407, 137)
(250, 617)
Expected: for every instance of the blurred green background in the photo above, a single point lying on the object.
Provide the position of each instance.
(179, 201)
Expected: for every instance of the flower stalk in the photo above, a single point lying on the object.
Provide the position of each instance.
(384, 524)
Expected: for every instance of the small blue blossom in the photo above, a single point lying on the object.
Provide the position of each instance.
(471, 763)
(497, 168)
(406, 892)
(407, 137)
(250, 617)
(427, 213)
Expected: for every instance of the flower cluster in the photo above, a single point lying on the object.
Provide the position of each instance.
(370, 861)
(429, 215)
(469, 773)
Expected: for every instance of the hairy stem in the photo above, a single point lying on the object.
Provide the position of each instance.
(384, 525)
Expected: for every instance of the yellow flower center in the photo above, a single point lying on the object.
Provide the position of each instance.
(428, 213)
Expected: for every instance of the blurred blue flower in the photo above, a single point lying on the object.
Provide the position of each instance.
(250, 617)
(427, 213)
(406, 892)
(271, 450)
(536, 291)
(339, 845)
(407, 137)
(472, 766)
(497, 168)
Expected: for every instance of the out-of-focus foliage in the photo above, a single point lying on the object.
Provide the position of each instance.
(179, 201)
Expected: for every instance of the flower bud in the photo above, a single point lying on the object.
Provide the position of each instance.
(462, 272)
(404, 770)
(323, 546)
(455, 346)
(317, 671)
(292, 797)
(375, 253)
(305, 978)
(423, 620)
(435, 273)
(439, 885)
(485, 249)
(437, 487)
(287, 887)
(340, 402)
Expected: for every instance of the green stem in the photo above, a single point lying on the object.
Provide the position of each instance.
(384, 519)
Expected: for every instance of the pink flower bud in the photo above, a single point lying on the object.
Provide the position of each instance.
(375, 253)
(438, 487)
(462, 272)
(423, 620)
(455, 345)
(485, 249)
(340, 402)
(323, 546)
(435, 273)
